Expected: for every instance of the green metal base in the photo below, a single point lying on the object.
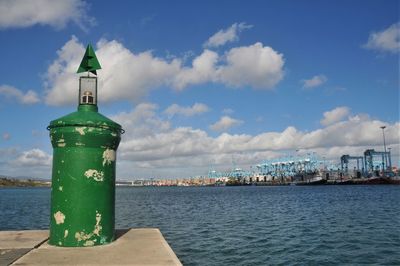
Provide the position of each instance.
(83, 178)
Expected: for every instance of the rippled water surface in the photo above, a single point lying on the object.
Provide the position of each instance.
(320, 225)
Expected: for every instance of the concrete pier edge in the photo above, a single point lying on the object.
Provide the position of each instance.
(142, 246)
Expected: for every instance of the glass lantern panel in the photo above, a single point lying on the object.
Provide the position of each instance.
(88, 90)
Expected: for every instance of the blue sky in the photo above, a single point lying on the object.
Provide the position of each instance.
(199, 84)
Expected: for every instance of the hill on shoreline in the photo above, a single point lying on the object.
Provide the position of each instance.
(15, 182)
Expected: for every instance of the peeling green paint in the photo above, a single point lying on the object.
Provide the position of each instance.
(83, 178)
(96, 175)
(81, 130)
(59, 217)
(108, 156)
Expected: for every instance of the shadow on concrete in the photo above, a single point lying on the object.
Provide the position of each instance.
(8, 256)
(120, 232)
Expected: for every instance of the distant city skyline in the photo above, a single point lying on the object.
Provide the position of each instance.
(199, 85)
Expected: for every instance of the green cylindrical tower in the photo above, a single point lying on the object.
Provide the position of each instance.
(83, 175)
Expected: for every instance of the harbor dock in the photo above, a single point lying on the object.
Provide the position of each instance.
(144, 246)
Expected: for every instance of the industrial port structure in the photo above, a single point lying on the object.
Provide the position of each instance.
(273, 169)
(305, 168)
(373, 162)
(301, 168)
(372, 167)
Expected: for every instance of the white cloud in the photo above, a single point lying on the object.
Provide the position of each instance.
(152, 146)
(26, 163)
(34, 157)
(225, 123)
(387, 40)
(203, 70)
(142, 121)
(124, 75)
(197, 108)
(228, 35)
(335, 115)
(22, 13)
(315, 81)
(255, 65)
(130, 76)
(30, 97)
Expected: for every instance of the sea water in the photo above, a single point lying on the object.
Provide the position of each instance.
(290, 225)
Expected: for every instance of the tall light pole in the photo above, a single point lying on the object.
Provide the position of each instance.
(384, 145)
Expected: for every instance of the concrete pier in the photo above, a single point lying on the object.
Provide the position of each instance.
(144, 246)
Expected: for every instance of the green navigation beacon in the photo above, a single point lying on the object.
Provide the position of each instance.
(83, 175)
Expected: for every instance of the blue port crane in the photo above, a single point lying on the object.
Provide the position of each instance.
(289, 166)
(346, 159)
(375, 161)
